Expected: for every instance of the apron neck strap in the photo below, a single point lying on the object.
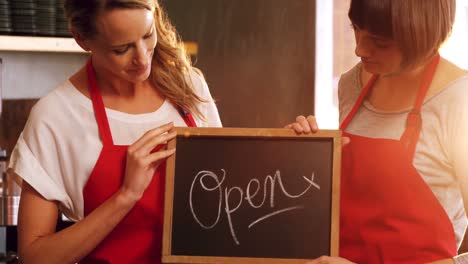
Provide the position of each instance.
(187, 116)
(98, 105)
(413, 122)
(359, 101)
(411, 134)
(100, 111)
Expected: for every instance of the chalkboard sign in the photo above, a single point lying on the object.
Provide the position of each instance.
(236, 195)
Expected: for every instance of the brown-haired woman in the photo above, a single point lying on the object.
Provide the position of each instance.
(90, 147)
(404, 111)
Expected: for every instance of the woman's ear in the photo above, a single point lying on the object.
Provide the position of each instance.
(80, 39)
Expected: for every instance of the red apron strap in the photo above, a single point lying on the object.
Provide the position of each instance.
(414, 121)
(188, 118)
(358, 103)
(98, 105)
(100, 112)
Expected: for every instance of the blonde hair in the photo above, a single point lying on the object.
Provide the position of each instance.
(419, 27)
(171, 66)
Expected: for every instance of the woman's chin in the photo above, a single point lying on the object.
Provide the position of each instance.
(370, 67)
(138, 77)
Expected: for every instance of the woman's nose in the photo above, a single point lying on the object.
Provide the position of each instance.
(140, 55)
(363, 47)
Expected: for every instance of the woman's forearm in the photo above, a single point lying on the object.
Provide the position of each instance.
(77, 241)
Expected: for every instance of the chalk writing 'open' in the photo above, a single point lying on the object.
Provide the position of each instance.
(211, 182)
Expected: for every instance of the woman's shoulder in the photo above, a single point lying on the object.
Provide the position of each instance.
(450, 100)
(454, 91)
(53, 109)
(450, 81)
(448, 75)
(208, 107)
(349, 85)
(351, 79)
(49, 104)
(352, 74)
(200, 86)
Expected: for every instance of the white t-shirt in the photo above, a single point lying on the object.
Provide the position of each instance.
(60, 143)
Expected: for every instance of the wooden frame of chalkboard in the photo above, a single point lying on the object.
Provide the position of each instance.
(287, 212)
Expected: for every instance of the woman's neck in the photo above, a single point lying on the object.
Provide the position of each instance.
(397, 91)
(121, 96)
(133, 98)
(111, 85)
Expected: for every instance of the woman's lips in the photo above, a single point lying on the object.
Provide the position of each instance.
(367, 61)
(139, 70)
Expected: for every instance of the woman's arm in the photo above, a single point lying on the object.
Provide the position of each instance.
(457, 129)
(39, 243)
(37, 240)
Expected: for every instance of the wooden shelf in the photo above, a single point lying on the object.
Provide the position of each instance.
(53, 44)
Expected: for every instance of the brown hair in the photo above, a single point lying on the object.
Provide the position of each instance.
(419, 27)
(171, 65)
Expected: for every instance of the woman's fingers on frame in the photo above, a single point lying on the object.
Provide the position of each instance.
(157, 140)
(156, 157)
(302, 121)
(312, 123)
(321, 260)
(329, 260)
(297, 128)
(152, 133)
(345, 141)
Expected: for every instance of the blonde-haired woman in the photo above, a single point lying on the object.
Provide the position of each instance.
(90, 147)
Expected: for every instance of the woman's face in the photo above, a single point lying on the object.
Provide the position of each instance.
(378, 55)
(124, 44)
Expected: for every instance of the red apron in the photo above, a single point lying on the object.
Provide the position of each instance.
(138, 237)
(388, 213)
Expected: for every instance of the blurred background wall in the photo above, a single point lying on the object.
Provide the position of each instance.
(258, 56)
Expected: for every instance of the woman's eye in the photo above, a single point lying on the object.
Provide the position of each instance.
(148, 35)
(381, 44)
(121, 50)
